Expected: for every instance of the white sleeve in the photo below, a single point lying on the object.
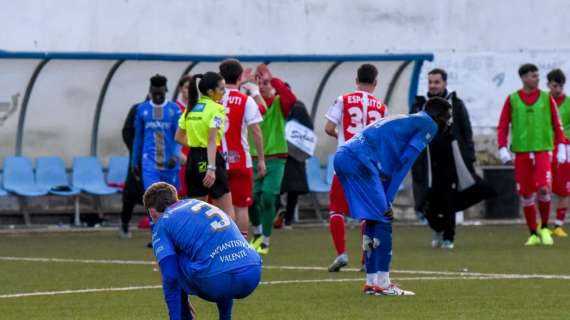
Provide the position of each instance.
(252, 114)
(334, 114)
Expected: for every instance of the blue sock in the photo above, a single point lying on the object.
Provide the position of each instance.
(383, 232)
(370, 256)
(225, 309)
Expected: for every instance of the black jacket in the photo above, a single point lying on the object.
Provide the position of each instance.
(295, 176)
(460, 131)
(134, 190)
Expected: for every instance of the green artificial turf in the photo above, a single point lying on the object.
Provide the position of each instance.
(494, 250)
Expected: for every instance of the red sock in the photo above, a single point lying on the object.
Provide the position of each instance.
(338, 233)
(560, 215)
(544, 208)
(530, 216)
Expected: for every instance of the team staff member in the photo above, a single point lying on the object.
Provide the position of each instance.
(535, 124)
(560, 172)
(201, 128)
(243, 116)
(265, 190)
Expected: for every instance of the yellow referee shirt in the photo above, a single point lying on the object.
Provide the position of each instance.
(206, 114)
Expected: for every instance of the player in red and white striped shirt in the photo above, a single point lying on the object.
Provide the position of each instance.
(242, 113)
(349, 115)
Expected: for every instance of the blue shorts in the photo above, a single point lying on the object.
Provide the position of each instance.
(234, 284)
(151, 175)
(362, 186)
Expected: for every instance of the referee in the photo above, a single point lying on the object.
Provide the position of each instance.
(201, 127)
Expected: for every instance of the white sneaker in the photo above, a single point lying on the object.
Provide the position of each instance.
(394, 290)
(338, 263)
(447, 244)
(437, 239)
(125, 235)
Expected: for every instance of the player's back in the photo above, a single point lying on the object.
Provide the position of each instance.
(359, 109)
(160, 124)
(383, 142)
(206, 240)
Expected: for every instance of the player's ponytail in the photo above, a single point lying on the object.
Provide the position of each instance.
(193, 93)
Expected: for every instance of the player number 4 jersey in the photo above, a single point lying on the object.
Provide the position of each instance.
(352, 112)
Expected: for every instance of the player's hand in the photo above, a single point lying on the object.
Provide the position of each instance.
(171, 163)
(250, 88)
(262, 72)
(505, 156)
(561, 155)
(261, 170)
(247, 76)
(209, 179)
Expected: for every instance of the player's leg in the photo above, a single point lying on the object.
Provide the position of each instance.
(435, 222)
(290, 207)
(338, 209)
(383, 234)
(526, 187)
(560, 187)
(255, 209)
(370, 258)
(543, 178)
(225, 309)
(241, 188)
(196, 167)
(271, 187)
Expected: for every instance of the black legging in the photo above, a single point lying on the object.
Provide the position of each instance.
(292, 200)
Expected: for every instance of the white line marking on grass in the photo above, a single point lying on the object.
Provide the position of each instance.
(275, 282)
(94, 261)
(304, 268)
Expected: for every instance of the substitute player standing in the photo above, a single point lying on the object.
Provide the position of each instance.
(370, 167)
(533, 117)
(560, 172)
(156, 122)
(242, 113)
(200, 252)
(349, 114)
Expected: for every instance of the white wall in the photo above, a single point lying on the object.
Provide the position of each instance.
(284, 26)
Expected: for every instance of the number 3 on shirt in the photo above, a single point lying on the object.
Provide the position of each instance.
(217, 225)
(357, 122)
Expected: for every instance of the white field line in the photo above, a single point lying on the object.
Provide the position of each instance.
(277, 282)
(305, 268)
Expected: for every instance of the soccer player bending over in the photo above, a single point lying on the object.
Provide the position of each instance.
(200, 252)
(371, 167)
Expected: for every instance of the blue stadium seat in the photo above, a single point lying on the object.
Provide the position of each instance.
(315, 177)
(118, 169)
(19, 177)
(51, 175)
(330, 169)
(88, 176)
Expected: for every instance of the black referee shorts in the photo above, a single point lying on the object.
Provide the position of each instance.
(196, 168)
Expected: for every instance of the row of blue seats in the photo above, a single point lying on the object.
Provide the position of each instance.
(319, 179)
(50, 177)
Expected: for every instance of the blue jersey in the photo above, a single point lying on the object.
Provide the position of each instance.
(391, 145)
(155, 128)
(205, 240)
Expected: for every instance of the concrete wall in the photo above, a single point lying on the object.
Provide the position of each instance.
(285, 26)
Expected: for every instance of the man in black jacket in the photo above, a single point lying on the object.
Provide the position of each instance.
(444, 179)
(133, 192)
